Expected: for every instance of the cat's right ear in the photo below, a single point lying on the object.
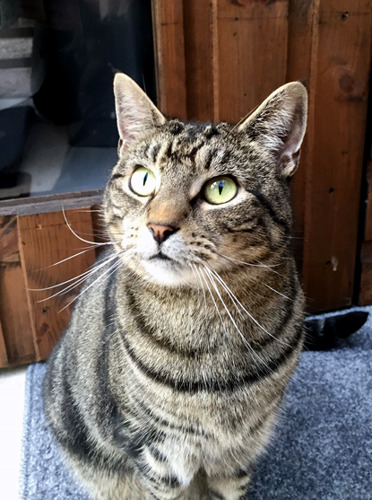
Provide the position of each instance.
(134, 110)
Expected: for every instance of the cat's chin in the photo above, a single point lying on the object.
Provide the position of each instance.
(168, 273)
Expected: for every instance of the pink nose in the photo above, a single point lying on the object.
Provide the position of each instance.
(161, 232)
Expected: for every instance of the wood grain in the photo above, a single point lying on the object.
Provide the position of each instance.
(244, 49)
(50, 202)
(368, 225)
(334, 180)
(365, 297)
(4, 361)
(365, 290)
(303, 39)
(199, 59)
(45, 240)
(217, 60)
(170, 57)
(250, 59)
(17, 327)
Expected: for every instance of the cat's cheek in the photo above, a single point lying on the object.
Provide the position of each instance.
(175, 248)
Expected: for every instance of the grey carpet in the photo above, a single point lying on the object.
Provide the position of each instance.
(321, 450)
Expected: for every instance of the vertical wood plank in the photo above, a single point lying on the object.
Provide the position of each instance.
(4, 361)
(257, 46)
(170, 56)
(365, 296)
(368, 225)
(17, 328)
(198, 31)
(46, 240)
(365, 292)
(303, 39)
(250, 44)
(332, 200)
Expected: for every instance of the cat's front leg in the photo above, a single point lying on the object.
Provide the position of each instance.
(161, 482)
(229, 479)
(167, 472)
(229, 488)
(166, 488)
(161, 490)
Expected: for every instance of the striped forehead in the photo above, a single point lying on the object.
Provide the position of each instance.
(190, 145)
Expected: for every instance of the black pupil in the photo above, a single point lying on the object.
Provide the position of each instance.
(145, 178)
(220, 186)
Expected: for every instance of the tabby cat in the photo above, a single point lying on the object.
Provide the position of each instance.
(168, 380)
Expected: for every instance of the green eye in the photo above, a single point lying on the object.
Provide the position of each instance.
(143, 182)
(220, 190)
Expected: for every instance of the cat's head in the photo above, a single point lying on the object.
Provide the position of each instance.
(186, 197)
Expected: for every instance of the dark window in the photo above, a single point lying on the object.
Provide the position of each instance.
(57, 62)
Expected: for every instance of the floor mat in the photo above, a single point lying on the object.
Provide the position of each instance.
(321, 448)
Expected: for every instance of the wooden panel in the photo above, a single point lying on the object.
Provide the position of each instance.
(365, 297)
(365, 292)
(198, 31)
(301, 65)
(170, 56)
(250, 48)
(17, 328)
(368, 226)
(209, 56)
(50, 202)
(334, 181)
(3, 354)
(45, 240)
(250, 60)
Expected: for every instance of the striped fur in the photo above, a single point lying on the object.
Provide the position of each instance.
(167, 382)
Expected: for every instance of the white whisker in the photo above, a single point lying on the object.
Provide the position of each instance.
(62, 283)
(214, 302)
(77, 236)
(245, 341)
(237, 261)
(196, 271)
(276, 291)
(234, 299)
(89, 211)
(72, 256)
(77, 280)
(110, 270)
(64, 290)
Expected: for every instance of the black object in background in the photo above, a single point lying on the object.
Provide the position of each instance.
(77, 49)
(326, 333)
(14, 126)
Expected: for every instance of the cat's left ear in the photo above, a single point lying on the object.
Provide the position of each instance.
(279, 125)
(135, 112)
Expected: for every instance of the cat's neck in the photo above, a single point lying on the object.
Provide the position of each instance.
(217, 295)
(196, 320)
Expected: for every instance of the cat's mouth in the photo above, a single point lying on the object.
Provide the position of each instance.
(160, 256)
(164, 270)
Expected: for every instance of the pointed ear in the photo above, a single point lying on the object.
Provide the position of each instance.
(134, 110)
(279, 125)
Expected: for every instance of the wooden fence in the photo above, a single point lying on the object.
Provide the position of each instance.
(216, 60)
